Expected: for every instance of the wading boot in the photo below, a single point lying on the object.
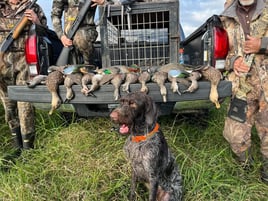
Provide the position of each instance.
(8, 159)
(17, 141)
(264, 170)
(245, 160)
(28, 141)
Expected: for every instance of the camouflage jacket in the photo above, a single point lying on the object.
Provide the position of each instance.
(258, 28)
(10, 16)
(242, 87)
(70, 8)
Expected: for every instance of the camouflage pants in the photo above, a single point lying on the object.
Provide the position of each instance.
(239, 134)
(14, 71)
(84, 40)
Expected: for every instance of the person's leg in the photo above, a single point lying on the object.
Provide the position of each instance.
(27, 124)
(10, 107)
(239, 134)
(262, 129)
(26, 112)
(12, 119)
(84, 40)
(239, 137)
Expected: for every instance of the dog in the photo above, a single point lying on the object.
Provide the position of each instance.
(146, 148)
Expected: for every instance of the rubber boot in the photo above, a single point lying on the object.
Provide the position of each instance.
(28, 141)
(264, 170)
(9, 158)
(17, 140)
(245, 159)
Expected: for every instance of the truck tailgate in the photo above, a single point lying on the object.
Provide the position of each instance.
(104, 95)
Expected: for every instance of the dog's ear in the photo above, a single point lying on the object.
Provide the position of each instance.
(151, 113)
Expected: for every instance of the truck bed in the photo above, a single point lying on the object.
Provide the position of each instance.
(104, 95)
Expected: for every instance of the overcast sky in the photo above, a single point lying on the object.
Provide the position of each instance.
(193, 13)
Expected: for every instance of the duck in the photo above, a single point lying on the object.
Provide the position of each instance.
(54, 79)
(176, 75)
(160, 78)
(69, 81)
(143, 78)
(86, 79)
(117, 80)
(101, 76)
(95, 84)
(213, 75)
(131, 78)
(38, 79)
(194, 77)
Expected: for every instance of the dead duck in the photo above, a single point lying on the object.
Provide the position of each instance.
(56, 68)
(69, 81)
(176, 75)
(107, 74)
(39, 79)
(102, 76)
(214, 76)
(86, 79)
(144, 77)
(117, 80)
(54, 79)
(172, 66)
(131, 78)
(194, 77)
(160, 78)
(174, 86)
(96, 79)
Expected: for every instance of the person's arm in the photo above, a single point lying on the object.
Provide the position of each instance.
(36, 15)
(264, 46)
(253, 45)
(97, 2)
(56, 16)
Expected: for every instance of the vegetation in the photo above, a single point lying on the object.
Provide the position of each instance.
(82, 159)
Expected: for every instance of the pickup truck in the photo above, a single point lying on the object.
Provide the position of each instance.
(145, 34)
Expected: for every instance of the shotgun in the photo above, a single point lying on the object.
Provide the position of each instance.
(16, 31)
(64, 55)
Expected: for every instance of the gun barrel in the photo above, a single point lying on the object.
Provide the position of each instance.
(16, 31)
(6, 43)
(63, 58)
(64, 55)
(78, 20)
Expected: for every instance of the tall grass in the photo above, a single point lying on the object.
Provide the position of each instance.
(82, 159)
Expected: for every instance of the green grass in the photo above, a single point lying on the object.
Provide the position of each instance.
(84, 160)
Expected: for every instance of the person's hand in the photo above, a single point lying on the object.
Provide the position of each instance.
(252, 45)
(240, 67)
(97, 2)
(32, 16)
(66, 41)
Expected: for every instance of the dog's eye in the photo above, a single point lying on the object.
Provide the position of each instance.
(122, 101)
(132, 104)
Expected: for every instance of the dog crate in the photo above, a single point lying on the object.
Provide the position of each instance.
(143, 34)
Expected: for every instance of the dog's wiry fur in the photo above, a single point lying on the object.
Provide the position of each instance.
(151, 159)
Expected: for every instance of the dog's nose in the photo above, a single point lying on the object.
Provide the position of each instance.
(114, 115)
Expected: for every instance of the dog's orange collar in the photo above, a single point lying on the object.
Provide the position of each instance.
(141, 138)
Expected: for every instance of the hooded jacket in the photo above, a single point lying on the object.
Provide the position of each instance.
(236, 37)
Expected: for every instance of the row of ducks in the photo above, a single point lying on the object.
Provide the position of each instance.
(122, 76)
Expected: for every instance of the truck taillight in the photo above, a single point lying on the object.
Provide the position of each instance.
(31, 54)
(221, 47)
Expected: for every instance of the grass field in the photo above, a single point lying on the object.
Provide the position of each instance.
(84, 160)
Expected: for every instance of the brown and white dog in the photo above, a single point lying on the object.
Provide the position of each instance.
(146, 148)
